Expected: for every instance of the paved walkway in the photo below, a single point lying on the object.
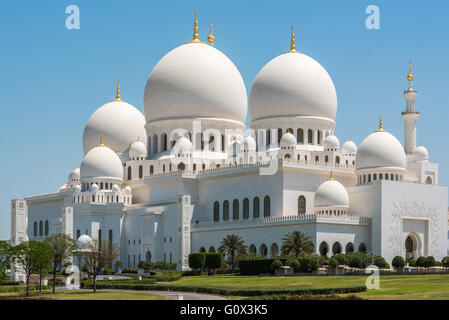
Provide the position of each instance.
(174, 295)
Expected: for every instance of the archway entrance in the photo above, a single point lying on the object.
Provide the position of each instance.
(410, 248)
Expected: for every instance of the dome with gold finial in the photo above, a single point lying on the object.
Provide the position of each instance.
(410, 75)
(293, 85)
(195, 81)
(211, 37)
(137, 150)
(118, 121)
(331, 194)
(101, 162)
(380, 150)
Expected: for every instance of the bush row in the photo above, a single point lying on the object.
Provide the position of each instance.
(20, 288)
(258, 266)
(229, 292)
(203, 260)
(157, 265)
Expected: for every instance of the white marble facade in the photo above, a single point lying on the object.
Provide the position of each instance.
(187, 173)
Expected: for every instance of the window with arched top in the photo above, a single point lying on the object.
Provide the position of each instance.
(129, 173)
(226, 210)
(318, 137)
(151, 169)
(164, 142)
(245, 208)
(337, 160)
(252, 249)
(148, 256)
(140, 172)
(300, 136)
(428, 180)
(78, 233)
(47, 227)
(266, 206)
(202, 249)
(181, 166)
(362, 247)
(317, 159)
(324, 248)
(222, 143)
(279, 135)
(301, 204)
(35, 229)
(326, 159)
(155, 144)
(235, 209)
(41, 229)
(349, 247)
(310, 136)
(211, 250)
(216, 211)
(268, 134)
(256, 207)
(263, 250)
(336, 248)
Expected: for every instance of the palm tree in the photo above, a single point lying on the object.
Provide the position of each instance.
(296, 242)
(233, 246)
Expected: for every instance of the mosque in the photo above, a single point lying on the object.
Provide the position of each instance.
(188, 172)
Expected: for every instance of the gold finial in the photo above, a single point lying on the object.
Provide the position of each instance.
(292, 41)
(117, 95)
(196, 37)
(381, 129)
(138, 138)
(331, 176)
(101, 142)
(410, 75)
(211, 37)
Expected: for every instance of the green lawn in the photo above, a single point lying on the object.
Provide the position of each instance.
(391, 286)
(87, 295)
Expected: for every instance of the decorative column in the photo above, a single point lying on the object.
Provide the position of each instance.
(410, 116)
(184, 219)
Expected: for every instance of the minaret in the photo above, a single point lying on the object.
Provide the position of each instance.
(410, 116)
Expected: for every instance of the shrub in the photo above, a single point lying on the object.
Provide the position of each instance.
(130, 270)
(438, 263)
(196, 260)
(354, 261)
(225, 271)
(257, 266)
(398, 262)
(213, 261)
(429, 262)
(276, 265)
(190, 273)
(308, 263)
(341, 258)
(294, 264)
(168, 276)
(333, 263)
(381, 262)
(445, 262)
(412, 262)
(107, 271)
(421, 262)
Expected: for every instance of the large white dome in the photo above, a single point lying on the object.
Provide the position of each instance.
(195, 80)
(293, 85)
(380, 150)
(101, 162)
(118, 122)
(331, 193)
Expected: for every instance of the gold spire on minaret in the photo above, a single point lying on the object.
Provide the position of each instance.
(196, 37)
(410, 75)
(211, 37)
(331, 176)
(117, 95)
(292, 40)
(381, 129)
(101, 142)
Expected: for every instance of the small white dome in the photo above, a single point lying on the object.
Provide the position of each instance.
(74, 176)
(293, 85)
(118, 122)
(137, 149)
(84, 240)
(127, 189)
(380, 150)
(331, 193)
(420, 154)
(115, 188)
(349, 147)
(195, 80)
(102, 162)
(288, 140)
(94, 187)
(331, 142)
(249, 144)
(182, 146)
(77, 188)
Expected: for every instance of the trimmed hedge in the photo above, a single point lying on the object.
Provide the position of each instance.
(196, 260)
(230, 292)
(257, 266)
(20, 288)
(213, 260)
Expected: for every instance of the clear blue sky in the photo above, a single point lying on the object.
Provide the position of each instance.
(52, 79)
